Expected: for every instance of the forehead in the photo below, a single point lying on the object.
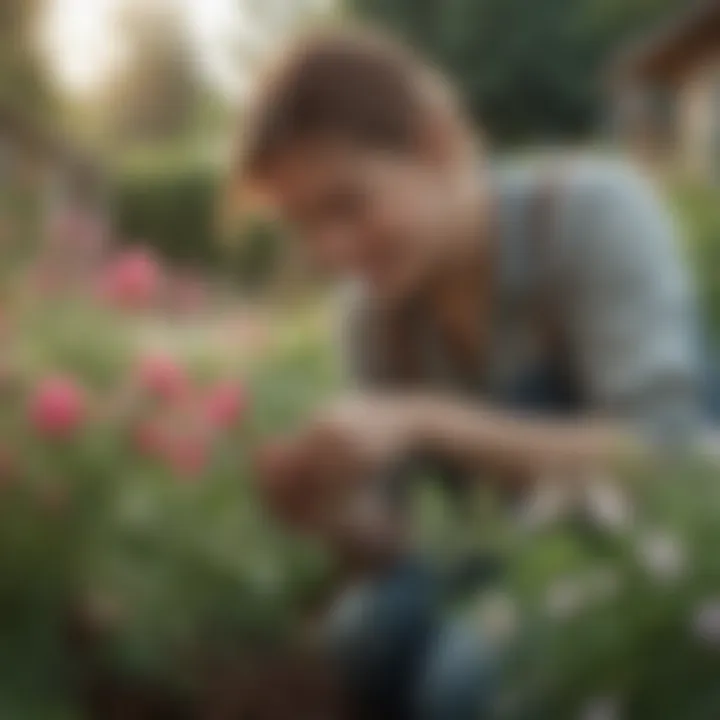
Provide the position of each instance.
(312, 167)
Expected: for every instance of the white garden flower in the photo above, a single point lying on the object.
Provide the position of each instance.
(498, 615)
(566, 598)
(608, 505)
(663, 556)
(601, 708)
(546, 505)
(706, 622)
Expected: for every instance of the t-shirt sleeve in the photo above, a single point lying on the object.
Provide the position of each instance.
(630, 301)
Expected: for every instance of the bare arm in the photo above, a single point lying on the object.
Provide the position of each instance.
(525, 445)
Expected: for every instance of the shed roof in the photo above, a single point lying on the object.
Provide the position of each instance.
(668, 51)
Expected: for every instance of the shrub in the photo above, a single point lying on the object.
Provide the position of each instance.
(126, 503)
(173, 207)
(699, 211)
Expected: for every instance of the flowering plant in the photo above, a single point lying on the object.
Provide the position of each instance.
(128, 518)
(612, 611)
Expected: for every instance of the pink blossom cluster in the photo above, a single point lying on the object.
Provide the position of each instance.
(179, 422)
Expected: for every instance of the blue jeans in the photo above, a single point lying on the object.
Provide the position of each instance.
(401, 660)
(400, 657)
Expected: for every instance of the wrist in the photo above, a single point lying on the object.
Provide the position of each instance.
(423, 418)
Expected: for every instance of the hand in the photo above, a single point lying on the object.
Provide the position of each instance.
(354, 519)
(364, 433)
(307, 478)
(289, 485)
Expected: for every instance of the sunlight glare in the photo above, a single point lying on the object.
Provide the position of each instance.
(80, 42)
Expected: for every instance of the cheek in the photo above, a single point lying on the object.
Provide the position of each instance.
(400, 214)
(334, 249)
(398, 247)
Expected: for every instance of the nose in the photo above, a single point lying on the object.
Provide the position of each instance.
(338, 248)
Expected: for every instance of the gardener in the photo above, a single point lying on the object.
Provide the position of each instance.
(515, 323)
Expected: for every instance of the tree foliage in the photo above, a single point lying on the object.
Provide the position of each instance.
(156, 92)
(528, 70)
(24, 85)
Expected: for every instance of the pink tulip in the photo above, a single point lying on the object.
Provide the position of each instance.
(224, 405)
(57, 408)
(133, 280)
(163, 378)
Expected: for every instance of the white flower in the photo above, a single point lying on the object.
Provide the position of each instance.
(601, 708)
(565, 598)
(663, 556)
(706, 622)
(608, 505)
(498, 615)
(550, 502)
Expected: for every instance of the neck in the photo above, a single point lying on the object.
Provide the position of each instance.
(467, 266)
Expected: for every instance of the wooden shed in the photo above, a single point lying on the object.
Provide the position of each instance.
(665, 94)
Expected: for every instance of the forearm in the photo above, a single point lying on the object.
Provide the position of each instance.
(479, 438)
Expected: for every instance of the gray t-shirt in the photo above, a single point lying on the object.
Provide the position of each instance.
(620, 290)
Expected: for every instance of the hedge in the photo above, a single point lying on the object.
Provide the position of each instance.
(173, 208)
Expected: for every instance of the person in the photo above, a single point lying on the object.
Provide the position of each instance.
(510, 321)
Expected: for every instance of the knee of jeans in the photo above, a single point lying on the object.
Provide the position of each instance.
(380, 626)
(459, 677)
(348, 624)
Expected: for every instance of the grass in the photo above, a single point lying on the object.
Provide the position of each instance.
(698, 209)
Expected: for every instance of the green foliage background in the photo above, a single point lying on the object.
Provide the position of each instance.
(24, 84)
(527, 70)
(173, 205)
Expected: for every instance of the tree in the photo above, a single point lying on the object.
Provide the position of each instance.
(528, 70)
(24, 85)
(158, 90)
(266, 23)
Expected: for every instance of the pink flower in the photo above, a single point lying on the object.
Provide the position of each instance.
(224, 405)
(133, 280)
(188, 294)
(188, 456)
(163, 378)
(150, 439)
(57, 408)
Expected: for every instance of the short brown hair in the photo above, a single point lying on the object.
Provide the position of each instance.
(351, 84)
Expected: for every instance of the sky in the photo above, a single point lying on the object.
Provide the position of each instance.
(83, 47)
